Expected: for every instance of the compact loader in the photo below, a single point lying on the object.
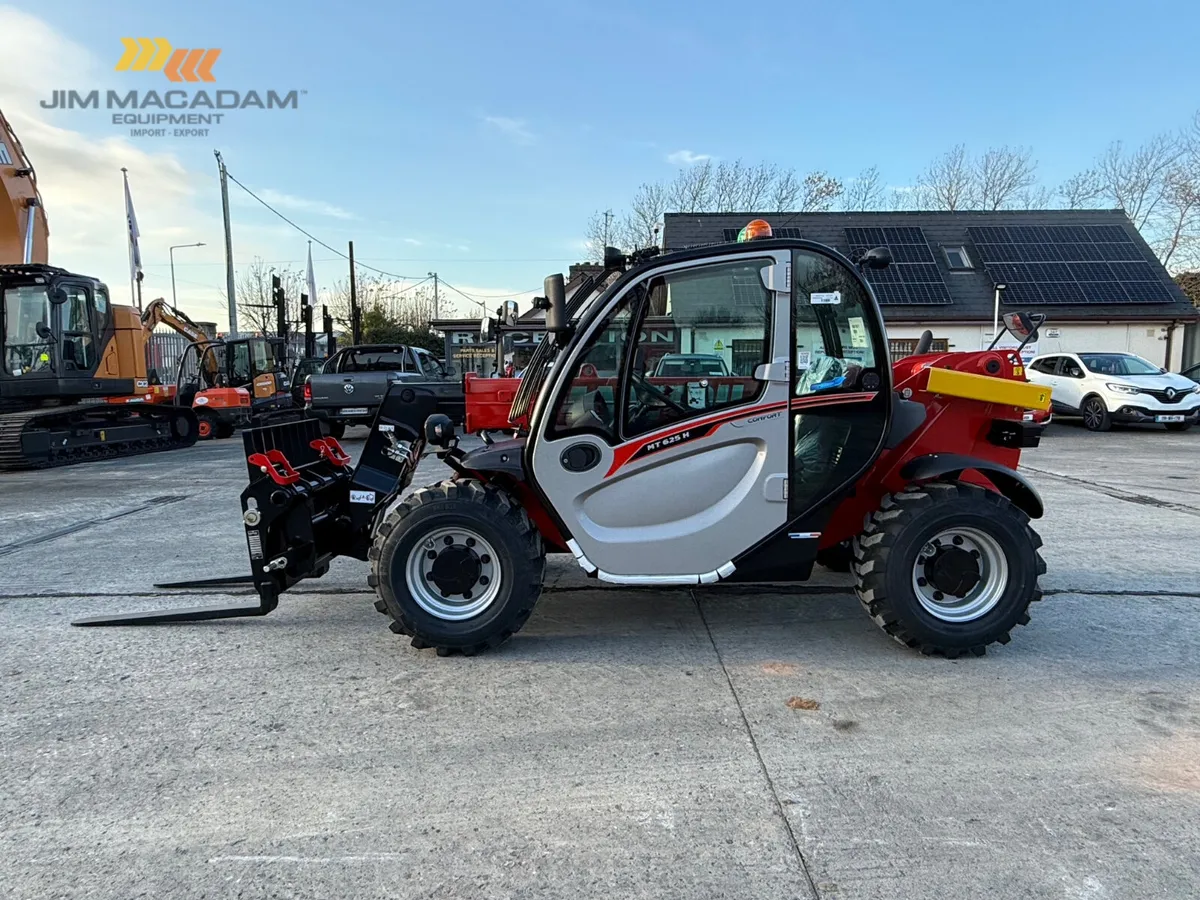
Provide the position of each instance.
(814, 446)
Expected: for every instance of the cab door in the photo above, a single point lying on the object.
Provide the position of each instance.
(665, 479)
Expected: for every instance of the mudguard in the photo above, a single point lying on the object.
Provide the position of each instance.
(1010, 483)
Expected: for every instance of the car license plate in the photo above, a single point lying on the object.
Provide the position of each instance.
(354, 410)
(1168, 418)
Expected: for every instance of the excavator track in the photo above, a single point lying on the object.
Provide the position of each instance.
(65, 435)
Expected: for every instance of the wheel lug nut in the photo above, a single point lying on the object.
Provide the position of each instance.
(922, 582)
(448, 541)
(938, 595)
(470, 542)
(432, 554)
(485, 559)
(483, 579)
(958, 540)
(466, 595)
(975, 553)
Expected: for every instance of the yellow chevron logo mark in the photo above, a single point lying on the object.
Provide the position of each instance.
(144, 54)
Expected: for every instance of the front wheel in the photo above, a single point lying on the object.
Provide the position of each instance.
(1095, 415)
(948, 568)
(458, 566)
(207, 425)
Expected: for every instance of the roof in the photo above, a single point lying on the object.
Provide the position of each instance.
(972, 293)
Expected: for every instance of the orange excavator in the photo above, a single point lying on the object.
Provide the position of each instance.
(65, 348)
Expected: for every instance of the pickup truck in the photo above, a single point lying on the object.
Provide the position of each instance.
(350, 387)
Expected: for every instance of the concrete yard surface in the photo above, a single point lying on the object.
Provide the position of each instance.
(751, 742)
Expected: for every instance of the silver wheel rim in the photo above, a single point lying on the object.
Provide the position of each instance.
(473, 561)
(1093, 415)
(992, 566)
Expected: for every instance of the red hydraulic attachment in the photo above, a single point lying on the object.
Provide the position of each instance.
(275, 464)
(330, 449)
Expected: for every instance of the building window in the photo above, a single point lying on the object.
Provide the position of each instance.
(956, 258)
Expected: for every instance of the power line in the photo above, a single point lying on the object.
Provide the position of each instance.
(312, 237)
(486, 296)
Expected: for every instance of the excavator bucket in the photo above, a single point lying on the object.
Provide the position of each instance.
(308, 503)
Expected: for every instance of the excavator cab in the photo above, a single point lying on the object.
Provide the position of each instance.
(252, 362)
(57, 336)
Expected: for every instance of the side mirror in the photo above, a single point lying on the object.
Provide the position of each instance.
(878, 258)
(556, 296)
(510, 313)
(450, 371)
(1019, 323)
(58, 295)
(487, 330)
(44, 332)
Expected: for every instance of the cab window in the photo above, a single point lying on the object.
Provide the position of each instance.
(25, 351)
(683, 364)
(838, 377)
(78, 347)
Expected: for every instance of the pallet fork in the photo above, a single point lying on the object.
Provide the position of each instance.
(306, 504)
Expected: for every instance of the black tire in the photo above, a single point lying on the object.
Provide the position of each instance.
(1095, 414)
(1178, 426)
(207, 425)
(335, 430)
(224, 430)
(494, 516)
(887, 552)
(838, 558)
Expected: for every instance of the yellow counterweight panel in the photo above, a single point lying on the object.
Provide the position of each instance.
(988, 389)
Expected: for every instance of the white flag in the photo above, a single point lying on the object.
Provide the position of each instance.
(312, 281)
(135, 252)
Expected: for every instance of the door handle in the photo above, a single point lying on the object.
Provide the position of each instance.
(580, 457)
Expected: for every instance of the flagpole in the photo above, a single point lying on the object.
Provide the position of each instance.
(129, 244)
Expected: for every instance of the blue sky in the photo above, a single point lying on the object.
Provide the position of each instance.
(476, 139)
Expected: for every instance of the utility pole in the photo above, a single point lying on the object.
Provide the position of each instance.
(608, 214)
(434, 276)
(230, 289)
(355, 318)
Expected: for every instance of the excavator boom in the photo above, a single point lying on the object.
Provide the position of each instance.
(24, 232)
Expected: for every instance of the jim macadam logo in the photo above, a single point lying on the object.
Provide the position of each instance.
(179, 65)
(157, 55)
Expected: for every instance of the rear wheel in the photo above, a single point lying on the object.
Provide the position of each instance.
(1095, 415)
(458, 566)
(948, 568)
(1178, 426)
(336, 430)
(207, 425)
(224, 430)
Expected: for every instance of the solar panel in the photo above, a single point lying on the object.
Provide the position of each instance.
(913, 277)
(1069, 264)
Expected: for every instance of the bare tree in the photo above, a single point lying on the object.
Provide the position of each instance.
(818, 192)
(692, 189)
(1137, 181)
(255, 307)
(948, 183)
(403, 305)
(1036, 196)
(1002, 176)
(1082, 190)
(865, 192)
(784, 192)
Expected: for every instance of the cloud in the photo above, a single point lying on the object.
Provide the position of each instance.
(414, 242)
(686, 158)
(300, 204)
(515, 130)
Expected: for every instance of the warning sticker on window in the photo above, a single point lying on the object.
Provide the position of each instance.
(828, 298)
(858, 332)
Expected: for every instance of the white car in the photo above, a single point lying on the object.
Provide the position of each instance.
(1116, 387)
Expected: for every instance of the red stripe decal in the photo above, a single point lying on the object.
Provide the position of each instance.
(704, 427)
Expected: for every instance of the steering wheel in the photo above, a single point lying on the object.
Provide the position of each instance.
(654, 392)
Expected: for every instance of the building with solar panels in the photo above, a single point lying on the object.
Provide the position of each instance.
(1098, 282)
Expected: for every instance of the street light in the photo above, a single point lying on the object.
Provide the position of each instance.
(996, 312)
(171, 252)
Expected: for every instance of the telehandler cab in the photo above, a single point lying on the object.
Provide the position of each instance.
(814, 444)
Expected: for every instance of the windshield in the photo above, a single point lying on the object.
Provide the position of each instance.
(690, 366)
(1118, 364)
(24, 308)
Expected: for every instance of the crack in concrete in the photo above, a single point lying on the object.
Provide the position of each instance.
(762, 764)
(1117, 493)
(6, 549)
